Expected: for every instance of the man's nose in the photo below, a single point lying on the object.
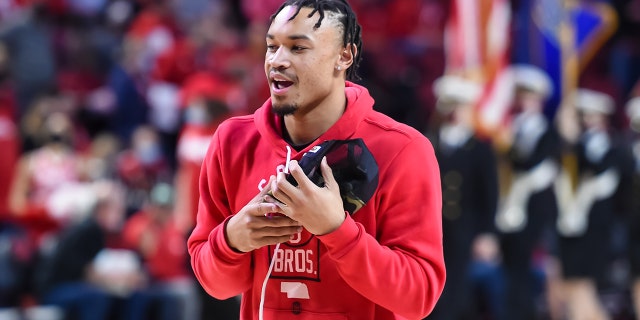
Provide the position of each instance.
(279, 59)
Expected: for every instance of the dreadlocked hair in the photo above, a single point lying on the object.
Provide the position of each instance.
(351, 30)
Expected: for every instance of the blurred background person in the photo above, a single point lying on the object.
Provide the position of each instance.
(528, 205)
(10, 138)
(42, 173)
(469, 192)
(71, 274)
(204, 107)
(28, 39)
(170, 292)
(205, 100)
(587, 212)
(633, 222)
(15, 249)
(100, 158)
(141, 165)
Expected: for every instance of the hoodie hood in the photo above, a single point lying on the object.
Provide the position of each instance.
(359, 104)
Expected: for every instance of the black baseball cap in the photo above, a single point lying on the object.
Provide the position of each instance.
(353, 166)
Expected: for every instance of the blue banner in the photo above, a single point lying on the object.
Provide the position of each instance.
(560, 36)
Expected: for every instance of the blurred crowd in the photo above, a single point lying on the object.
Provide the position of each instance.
(107, 108)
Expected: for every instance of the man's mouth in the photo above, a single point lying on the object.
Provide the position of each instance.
(279, 85)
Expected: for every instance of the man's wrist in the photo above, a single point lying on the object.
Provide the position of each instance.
(227, 241)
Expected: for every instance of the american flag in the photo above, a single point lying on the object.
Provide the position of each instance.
(477, 48)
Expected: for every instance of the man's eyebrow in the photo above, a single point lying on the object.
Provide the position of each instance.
(291, 37)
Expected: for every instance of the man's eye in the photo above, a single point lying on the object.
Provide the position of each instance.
(297, 48)
(271, 48)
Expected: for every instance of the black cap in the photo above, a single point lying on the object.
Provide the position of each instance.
(353, 166)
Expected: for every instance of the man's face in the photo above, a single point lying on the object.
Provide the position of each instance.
(458, 113)
(528, 102)
(593, 120)
(300, 62)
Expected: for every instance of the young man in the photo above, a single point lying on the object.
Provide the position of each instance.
(383, 261)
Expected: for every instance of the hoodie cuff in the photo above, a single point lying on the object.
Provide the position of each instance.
(341, 240)
(220, 243)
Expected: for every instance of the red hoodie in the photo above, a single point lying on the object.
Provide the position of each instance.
(384, 262)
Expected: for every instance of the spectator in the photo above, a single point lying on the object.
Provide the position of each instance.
(204, 103)
(69, 276)
(32, 60)
(153, 233)
(41, 175)
(9, 139)
(204, 107)
(101, 158)
(142, 165)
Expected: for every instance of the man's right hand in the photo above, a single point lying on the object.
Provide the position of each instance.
(259, 224)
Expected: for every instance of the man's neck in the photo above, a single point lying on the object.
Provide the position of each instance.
(304, 127)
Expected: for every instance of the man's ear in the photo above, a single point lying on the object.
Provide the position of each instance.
(346, 56)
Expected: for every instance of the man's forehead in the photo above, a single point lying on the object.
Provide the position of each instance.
(288, 12)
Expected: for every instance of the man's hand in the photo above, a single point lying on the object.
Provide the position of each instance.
(258, 224)
(318, 209)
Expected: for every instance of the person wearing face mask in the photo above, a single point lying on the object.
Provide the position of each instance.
(141, 165)
(588, 209)
(42, 172)
(203, 98)
(527, 205)
(204, 101)
(470, 192)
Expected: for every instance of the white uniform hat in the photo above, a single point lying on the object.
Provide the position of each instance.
(532, 78)
(633, 112)
(590, 101)
(450, 88)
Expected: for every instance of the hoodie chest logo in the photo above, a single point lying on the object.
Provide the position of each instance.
(298, 258)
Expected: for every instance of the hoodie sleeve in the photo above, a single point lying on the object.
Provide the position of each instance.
(401, 268)
(222, 271)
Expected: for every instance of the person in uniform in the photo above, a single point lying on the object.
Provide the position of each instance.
(587, 209)
(528, 204)
(633, 241)
(469, 189)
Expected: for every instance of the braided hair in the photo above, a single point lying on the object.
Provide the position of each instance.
(351, 30)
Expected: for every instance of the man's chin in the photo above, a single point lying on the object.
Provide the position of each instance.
(284, 109)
